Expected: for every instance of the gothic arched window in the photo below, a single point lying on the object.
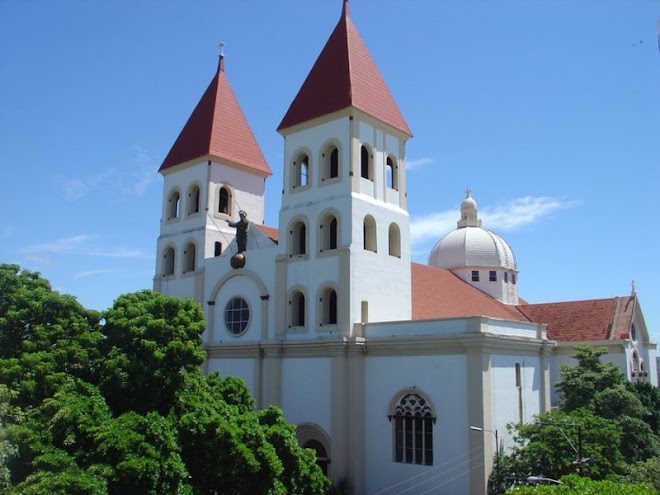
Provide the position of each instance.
(412, 422)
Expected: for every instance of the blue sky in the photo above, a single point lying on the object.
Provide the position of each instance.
(549, 111)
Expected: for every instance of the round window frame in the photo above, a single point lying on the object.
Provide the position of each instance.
(247, 323)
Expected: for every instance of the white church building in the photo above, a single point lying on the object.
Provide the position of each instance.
(384, 365)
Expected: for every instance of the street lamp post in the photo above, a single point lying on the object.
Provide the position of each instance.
(497, 451)
(542, 479)
(580, 460)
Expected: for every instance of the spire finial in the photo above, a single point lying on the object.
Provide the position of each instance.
(634, 287)
(344, 9)
(221, 62)
(467, 192)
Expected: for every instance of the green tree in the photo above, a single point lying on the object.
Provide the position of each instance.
(579, 385)
(548, 447)
(573, 484)
(646, 472)
(119, 405)
(44, 337)
(152, 341)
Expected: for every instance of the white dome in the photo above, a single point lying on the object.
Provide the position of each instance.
(472, 246)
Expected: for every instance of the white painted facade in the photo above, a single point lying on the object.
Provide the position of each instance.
(341, 367)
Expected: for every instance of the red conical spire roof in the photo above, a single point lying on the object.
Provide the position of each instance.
(218, 127)
(344, 76)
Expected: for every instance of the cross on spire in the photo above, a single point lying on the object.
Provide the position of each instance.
(221, 62)
(467, 192)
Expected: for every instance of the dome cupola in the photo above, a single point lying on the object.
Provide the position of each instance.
(477, 255)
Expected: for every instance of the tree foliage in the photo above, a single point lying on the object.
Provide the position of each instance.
(618, 421)
(115, 403)
(572, 484)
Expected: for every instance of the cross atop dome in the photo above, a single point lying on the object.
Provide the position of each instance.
(469, 216)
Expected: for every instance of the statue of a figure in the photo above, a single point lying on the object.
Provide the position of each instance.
(242, 227)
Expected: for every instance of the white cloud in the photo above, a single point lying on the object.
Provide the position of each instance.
(76, 188)
(143, 173)
(83, 245)
(419, 163)
(522, 212)
(91, 273)
(135, 180)
(40, 260)
(513, 215)
(434, 225)
(61, 246)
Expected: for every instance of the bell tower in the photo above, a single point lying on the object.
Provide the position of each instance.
(214, 169)
(344, 235)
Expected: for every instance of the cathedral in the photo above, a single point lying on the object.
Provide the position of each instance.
(401, 376)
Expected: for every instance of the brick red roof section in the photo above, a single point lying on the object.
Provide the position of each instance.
(218, 127)
(344, 75)
(596, 319)
(271, 233)
(438, 293)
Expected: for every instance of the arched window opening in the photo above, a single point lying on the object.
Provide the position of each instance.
(334, 163)
(301, 171)
(329, 233)
(298, 238)
(298, 309)
(193, 200)
(322, 459)
(633, 332)
(217, 251)
(413, 430)
(392, 176)
(224, 198)
(174, 204)
(395, 240)
(369, 233)
(189, 258)
(329, 307)
(168, 262)
(330, 163)
(635, 362)
(365, 163)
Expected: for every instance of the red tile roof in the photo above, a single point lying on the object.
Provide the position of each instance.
(438, 293)
(270, 232)
(218, 127)
(344, 75)
(596, 319)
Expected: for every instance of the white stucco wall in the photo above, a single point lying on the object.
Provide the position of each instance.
(306, 391)
(443, 380)
(509, 400)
